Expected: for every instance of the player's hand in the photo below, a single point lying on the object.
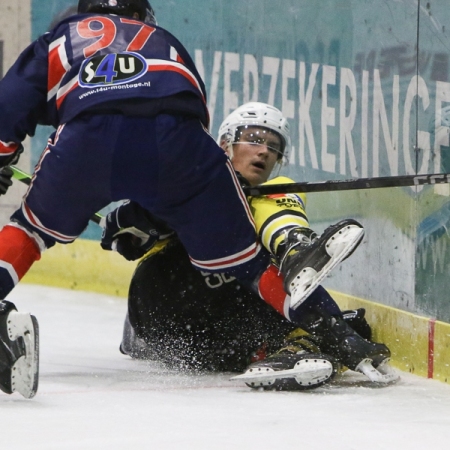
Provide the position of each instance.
(132, 231)
(6, 174)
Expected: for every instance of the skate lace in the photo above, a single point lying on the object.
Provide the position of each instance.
(301, 240)
(290, 349)
(303, 344)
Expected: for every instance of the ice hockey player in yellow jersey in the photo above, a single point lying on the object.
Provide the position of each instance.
(205, 321)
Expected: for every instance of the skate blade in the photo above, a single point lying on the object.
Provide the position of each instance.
(308, 279)
(25, 371)
(307, 372)
(384, 373)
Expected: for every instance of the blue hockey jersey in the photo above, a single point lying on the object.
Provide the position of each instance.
(106, 63)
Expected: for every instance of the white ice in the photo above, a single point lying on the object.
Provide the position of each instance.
(92, 397)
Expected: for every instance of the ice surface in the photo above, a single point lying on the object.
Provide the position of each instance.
(92, 397)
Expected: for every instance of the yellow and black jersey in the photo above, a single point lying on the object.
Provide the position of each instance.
(274, 214)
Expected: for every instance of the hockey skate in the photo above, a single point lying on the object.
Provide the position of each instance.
(356, 319)
(295, 367)
(335, 337)
(369, 358)
(19, 351)
(308, 258)
(131, 344)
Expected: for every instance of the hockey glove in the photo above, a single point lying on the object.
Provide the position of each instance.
(9, 153)
(132, 231)
(6, 174)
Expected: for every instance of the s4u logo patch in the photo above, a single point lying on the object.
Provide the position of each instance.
(114, 68)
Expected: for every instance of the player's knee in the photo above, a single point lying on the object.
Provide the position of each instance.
(43, 240)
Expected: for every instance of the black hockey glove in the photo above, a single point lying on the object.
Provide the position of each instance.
(132, 231)
(7, 160)
(6, 174)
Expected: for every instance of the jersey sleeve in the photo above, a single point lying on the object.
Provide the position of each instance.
(274, 214)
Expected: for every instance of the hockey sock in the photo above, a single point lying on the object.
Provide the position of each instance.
(320, 299)
(272, 292)
(18, 251)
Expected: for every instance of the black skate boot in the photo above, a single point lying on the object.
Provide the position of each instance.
(131, 344)
(356, 319)
(306, 258)
(338, 339)
(295, 367)
(19, 351)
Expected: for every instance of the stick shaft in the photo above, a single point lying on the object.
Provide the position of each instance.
(345, 185)
(317, 186)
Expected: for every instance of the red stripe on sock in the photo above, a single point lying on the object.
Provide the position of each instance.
(271, 288)
(431, 328)
(18, 249)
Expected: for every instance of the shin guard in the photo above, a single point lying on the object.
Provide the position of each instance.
(271, 290)
(18, 251)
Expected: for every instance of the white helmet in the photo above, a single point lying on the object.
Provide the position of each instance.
(256, 114)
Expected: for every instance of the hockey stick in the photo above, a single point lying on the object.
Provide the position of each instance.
(25, 178)
(345, 185)
(314, 186)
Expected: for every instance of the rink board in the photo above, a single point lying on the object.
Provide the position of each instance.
(83, 265)
(419, 345)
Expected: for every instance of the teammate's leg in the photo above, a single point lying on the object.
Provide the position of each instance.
(66, 190)
(19, 249)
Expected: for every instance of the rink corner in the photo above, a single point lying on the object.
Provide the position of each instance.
(419, 345)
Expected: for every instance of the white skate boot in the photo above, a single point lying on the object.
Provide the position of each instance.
(19, 351)
(309, 258)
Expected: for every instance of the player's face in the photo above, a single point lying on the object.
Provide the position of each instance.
(256, 153)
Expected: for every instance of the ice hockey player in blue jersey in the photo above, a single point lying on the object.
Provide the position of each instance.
(129, 109)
